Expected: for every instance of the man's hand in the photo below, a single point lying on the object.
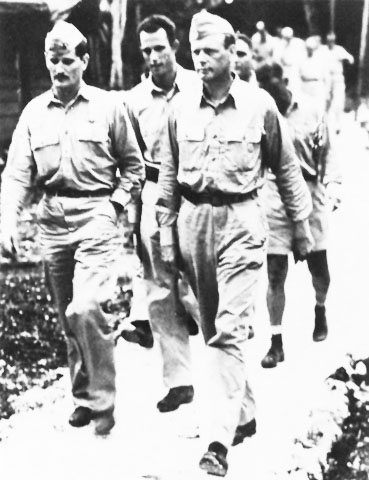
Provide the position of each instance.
(168, 255)
(302, 240)
(10, 243)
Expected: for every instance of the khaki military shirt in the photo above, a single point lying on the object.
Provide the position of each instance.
(78, 147)
(226, 149)
(148, 107)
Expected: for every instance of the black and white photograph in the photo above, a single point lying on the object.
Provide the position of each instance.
(184, 238)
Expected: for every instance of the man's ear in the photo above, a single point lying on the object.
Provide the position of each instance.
(175, 45)
(85, 59)
(232, 49)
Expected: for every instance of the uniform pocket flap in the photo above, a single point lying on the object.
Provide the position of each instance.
(192, 134)
(253, 135)
(43, 139)
(91, 132)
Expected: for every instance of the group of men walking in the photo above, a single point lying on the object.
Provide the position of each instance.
(308, 66)
(200, 144)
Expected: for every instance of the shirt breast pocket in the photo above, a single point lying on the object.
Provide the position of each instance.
(93, 139)
(243, 148)
(192, 148)
(45, 145)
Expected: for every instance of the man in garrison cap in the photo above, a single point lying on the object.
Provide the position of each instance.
(222, 137)
(72, 140)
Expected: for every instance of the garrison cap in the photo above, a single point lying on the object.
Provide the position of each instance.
(287, 32)
(204, 24)
(63, 37)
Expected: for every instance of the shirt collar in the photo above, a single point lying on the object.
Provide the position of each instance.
(235, 94)
(178, 85)
(84, 92)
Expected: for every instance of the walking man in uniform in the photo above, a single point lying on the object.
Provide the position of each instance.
(310, 135)
(72, 140)
(148, 105)
(210, 216)
(244, 66)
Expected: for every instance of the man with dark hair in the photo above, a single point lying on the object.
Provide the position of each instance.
(211, 218)
(153, 23)
(72, 140)
(148, 105)
(309, 133)
(243, 64)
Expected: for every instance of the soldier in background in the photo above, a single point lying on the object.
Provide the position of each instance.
(244, 66)
(263, 43)
(289, 53)
(315, 80)
(308, 129)
(148, 105)
(336, 55)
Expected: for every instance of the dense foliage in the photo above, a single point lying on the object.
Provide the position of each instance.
(31, 341)
(349, 457)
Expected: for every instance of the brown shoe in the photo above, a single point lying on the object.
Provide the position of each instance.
(176, 397)
(80, 417)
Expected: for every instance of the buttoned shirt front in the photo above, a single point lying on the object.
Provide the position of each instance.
(78, 147)
(148, 107)
(219, 149)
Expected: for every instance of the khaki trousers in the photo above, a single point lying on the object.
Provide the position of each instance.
(81, 246)
(223, 249)
(167, 313)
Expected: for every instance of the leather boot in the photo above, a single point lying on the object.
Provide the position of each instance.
(321, 328)
(275, 353)
(244, 431)
(176, 397)
(142, 334)
(80, 417)
(214, 461)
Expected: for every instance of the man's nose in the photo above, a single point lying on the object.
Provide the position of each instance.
(59, 67)
(201, 57)
(153, 56)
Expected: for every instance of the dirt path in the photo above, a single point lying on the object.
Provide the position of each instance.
(148, 445)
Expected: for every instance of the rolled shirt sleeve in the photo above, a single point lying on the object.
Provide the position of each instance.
(129, 158)
(169, 198)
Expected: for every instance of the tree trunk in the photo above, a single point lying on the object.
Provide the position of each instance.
(312, 16)
(118, 10)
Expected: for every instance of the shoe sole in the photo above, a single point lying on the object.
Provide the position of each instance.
(133, 337)
(174, 408)
(79, 425)
(212, 468)
(279, 360)
(241, 438)
(319, 339)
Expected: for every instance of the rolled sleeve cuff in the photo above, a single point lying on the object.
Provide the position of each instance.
(165, 217)
(121, 197)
